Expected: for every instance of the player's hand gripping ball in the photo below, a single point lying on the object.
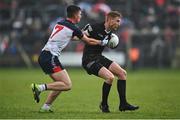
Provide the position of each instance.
(113, 42)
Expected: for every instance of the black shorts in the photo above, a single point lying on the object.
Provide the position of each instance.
(93, 66)
(49, 63)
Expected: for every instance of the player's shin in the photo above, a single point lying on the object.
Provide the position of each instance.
(105, 93)
(121, 87)
(124, 105)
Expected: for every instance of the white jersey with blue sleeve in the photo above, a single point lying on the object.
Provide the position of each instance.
(62, 33)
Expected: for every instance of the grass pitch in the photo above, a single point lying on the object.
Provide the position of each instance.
(157, 92)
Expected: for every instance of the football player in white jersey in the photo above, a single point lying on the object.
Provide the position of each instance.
(62, 33)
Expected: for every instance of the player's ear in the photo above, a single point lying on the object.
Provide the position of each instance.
(75, 15)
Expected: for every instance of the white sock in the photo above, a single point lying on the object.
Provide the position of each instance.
(46, 106)
(42, 87)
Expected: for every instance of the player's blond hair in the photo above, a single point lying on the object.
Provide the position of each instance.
(114, 14)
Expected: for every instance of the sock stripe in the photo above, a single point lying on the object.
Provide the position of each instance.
(45, 86)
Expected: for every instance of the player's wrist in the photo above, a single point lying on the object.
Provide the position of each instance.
(100, 43)
(104, 42)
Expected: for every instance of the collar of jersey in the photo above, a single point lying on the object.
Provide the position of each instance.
(69, 20)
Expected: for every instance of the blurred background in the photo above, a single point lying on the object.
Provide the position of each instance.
(149, 34)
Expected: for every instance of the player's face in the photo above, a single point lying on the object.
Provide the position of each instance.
(78, 17)
(114, 23)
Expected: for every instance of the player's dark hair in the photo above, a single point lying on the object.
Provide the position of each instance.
(114, 14)
(72, 10)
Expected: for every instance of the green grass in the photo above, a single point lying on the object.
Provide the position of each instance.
(157, 92)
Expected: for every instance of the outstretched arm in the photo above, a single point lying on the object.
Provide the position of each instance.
(84, 36)
(92, 41)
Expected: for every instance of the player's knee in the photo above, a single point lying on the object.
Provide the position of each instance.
(122, 75)
(68, 85)
(110, 79)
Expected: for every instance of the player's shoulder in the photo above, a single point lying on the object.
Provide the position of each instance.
(93, 26)
(68, 24)
(99, 23)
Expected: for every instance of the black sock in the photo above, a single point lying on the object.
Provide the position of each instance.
(105, 93)
(121, 87)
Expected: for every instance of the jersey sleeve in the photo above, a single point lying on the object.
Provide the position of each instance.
(77, 32)
(88, 29)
